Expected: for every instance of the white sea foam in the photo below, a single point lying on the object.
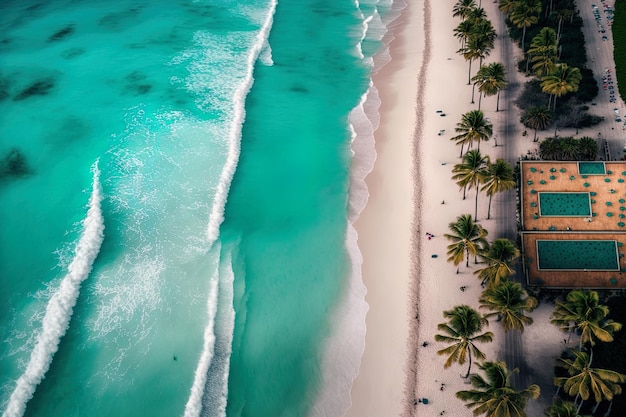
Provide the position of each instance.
(216, 392)
(365, 26)
(129, 299)
(217, 211)
(193, 408)
(266, 54)
(345, 348)
(59, 309)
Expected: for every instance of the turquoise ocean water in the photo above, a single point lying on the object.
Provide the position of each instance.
(177, 185)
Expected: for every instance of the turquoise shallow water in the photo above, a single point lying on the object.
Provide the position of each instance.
(287, 209)
(128, 131)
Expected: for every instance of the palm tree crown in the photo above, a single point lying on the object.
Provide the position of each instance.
(560, 15)
(537, 118)
(543, 50)
(478, 47)
(499, 257)
(477, 13)
(468, 239)
(462, 8)
(498, 177)
(507, 6)
(471, 173)
(463, 31)
(582, 310)
(525, 14)
(584, 380)
(550, 149)
(563, 80)
(473, 128)
(509, 302)
(461, 330)
(491, 79)
(588, 148)
(493, 394)
(562, 408)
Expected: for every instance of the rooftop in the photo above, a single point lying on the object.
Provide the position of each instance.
(573, 217)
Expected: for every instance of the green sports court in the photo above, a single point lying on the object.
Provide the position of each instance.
(561, 204)
(591, 168)
(578, 255)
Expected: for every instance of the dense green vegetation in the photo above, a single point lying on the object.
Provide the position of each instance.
(569, 149)
(619, 45)
(592, 375)
(553, 43)
(581, 382)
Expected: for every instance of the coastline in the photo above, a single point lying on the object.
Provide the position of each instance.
(384, 237)
(409, 283)
(392, 257)
(447, 96)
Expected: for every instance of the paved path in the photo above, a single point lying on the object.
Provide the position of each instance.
(513, 353)
(600, 58)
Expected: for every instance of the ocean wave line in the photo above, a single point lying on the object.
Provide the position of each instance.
(60, 307)
(217, 210)
(342, 360)
(193, 408)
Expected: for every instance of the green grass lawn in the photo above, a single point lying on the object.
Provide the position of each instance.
(619, 48)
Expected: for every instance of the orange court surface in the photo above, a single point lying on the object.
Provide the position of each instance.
(568, 211)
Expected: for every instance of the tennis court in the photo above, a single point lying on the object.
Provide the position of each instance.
(564, 204)
(591, 168)
(577, 255)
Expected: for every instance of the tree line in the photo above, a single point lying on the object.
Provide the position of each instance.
(492, 393)
(580, 312)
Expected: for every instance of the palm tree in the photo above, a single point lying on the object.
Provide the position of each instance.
(583, 380)
(499, 257)
(473, 128)
(550, 149)
(562, 408)
(562, 14)
(483, 28)
(582, 310)
(543, 51)
(588, 148)
(497, 178)
(494, 396)
(507, 6)
(524, 15)
(536, 118)
(468, 238)
(508, 301)
(477, 47)
(471, 172)
(463, 31)
(563, 80)
(462, 8)
(477, 13)
(491, 79)
(569, 149)
(461, 330)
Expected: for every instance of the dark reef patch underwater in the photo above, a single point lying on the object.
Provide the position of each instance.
(13, 165)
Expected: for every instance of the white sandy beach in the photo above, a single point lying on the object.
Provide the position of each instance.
(408, 279)
(384, 235)
(439, 284)
(397, 280)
